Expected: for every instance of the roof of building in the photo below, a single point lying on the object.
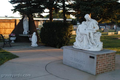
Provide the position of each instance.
(58, 19)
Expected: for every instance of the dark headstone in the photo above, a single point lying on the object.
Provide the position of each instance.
(105, 30)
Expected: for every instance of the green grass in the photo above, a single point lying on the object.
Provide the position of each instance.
(109, 42)
(6, 56)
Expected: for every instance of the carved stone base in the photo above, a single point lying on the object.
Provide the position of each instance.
(94, 62)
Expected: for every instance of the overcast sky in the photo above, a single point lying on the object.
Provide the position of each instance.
(5, 9)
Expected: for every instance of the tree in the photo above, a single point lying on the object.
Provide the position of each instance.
(64, 11)
(57, 5)
(29, 7)
(65, 6)
(51, 5)
(101, 10)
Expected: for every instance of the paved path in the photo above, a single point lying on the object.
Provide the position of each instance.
(45, 63)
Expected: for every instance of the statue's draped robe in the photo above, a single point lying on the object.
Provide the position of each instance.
(86, 36)
(34, 40)
(25, 25)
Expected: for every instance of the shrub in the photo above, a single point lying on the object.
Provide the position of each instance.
(56, 34)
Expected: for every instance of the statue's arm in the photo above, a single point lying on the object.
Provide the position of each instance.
(95, 25)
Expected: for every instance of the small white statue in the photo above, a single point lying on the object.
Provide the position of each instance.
(34, 40)
(25, 25)
(86, 36)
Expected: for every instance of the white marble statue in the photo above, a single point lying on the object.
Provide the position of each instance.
(34, 40)
(25, 25)
(86, 36)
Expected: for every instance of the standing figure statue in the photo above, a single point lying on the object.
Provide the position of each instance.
(25, 25)
(34, 40)
(86, 36)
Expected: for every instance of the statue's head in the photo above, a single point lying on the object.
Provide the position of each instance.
(87, 17)
(34, 33)
(25, 17)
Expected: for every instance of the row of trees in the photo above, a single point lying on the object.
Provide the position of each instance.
(101, 10)
(31, 7)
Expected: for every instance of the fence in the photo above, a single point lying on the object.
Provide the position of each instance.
(7, 26)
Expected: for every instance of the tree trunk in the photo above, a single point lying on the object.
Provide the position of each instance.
(51, 15)
(64, 10)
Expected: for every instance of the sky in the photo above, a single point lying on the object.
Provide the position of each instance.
(5, 9)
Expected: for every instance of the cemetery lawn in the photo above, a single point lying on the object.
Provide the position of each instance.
(6, 56)
(109, 42)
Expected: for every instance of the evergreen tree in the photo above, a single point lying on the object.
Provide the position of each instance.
(55, 6)
(100, 10)
(51, 5)
(29, 7)
(66, 8)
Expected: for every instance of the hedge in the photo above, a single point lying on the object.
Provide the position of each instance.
(56, 34)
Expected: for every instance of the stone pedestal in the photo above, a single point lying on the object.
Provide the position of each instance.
(94, 62)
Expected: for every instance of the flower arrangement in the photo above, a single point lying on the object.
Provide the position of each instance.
(12, 34)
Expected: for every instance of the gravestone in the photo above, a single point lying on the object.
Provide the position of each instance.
(118, 32)
(110, 33)
(105, 30)
(73, 32)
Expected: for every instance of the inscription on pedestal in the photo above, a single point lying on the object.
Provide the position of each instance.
(79, 60)
(86, 60)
